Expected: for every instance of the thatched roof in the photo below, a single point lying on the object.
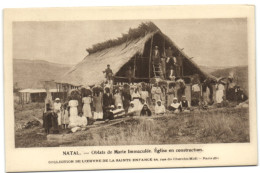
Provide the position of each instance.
(116, 53)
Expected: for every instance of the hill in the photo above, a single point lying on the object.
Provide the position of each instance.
(31, 73)
(240, 75)
(211, 69)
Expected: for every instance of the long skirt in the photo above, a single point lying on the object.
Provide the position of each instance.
(87, 111)
(138, 105)
(98, 115)
(219, 96)
(170, 99)
(73, 111)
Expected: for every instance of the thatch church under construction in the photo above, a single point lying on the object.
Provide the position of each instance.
(133, 49)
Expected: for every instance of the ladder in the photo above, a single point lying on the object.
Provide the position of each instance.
(157, 71)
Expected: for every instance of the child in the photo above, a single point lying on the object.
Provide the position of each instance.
(64, 116)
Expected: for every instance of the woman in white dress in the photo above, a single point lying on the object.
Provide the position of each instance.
(76, 120)
(86, 107)
(117, 98)
(220, 92)
(57, 109)
(136, 100)
(144, 95)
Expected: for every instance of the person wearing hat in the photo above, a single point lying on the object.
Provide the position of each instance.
(145, 111)
(57, 109)
(175, 106)
(109, 74)
(159, 108)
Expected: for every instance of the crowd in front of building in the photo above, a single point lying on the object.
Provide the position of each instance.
(108, 101)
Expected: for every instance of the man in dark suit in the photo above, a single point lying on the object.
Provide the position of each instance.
(107, 103)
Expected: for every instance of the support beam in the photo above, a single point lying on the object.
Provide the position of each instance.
(150, 59)
(134, 66)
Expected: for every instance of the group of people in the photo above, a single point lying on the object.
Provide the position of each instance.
(108, 101)
(220, 92)
(55, 117)
(169, 61)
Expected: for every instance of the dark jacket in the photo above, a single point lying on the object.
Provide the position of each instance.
(107, 100)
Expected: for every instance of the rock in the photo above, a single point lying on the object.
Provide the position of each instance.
(180, 134)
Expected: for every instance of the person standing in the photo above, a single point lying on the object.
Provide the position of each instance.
(57, 109)
(107, 103)
(117, 98)
(156, 92)
(136, 99)
(196, 94)
(168, 54)
(129, 74)
(86, 106)
(163, 65)
(73, 105)
(156, 56)
(126, 97)
(171, 73)
(64, 116)
(47, 118)
(178, 65)
(97, 103)
(220, 92)
(170, 94)
(109, 74)
(144, 95)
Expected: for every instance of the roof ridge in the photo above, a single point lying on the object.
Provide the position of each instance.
(143, 29)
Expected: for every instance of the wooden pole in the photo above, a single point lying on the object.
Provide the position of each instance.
(163, 46)
(134, 66)
(150, 58)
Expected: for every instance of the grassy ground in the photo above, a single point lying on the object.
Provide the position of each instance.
(229, 125)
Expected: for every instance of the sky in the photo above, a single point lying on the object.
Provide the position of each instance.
(212, 42)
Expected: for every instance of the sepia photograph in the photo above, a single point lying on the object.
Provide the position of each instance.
(130, 82)
(129, 87)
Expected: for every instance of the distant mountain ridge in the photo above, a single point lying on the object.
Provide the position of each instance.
(211, 69)
(32, 73)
